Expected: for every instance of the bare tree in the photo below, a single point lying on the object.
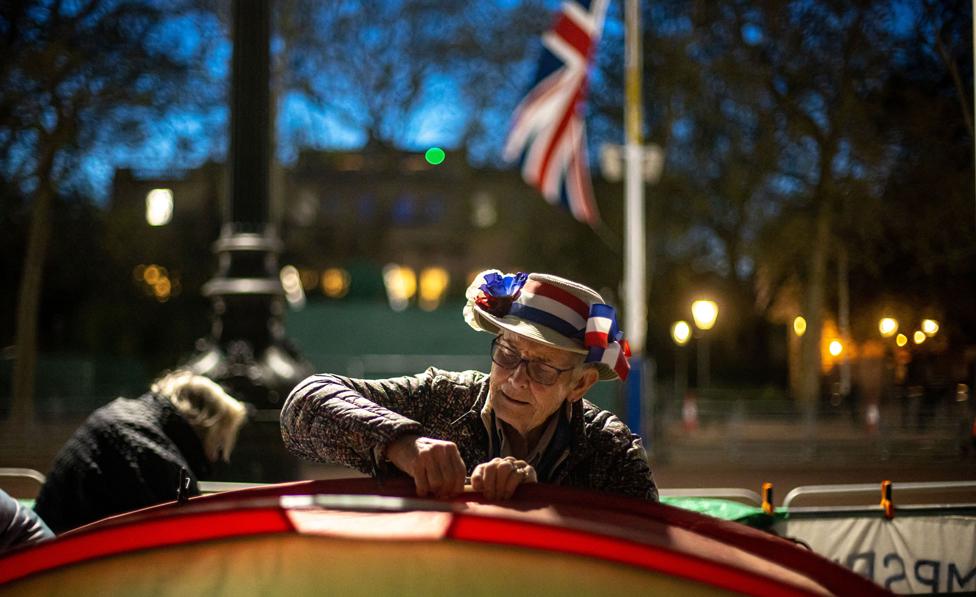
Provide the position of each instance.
(74, 77)
(377, 67)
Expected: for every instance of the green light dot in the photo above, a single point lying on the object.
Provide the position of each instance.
(434, 155)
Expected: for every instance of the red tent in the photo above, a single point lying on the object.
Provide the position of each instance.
(358, 537)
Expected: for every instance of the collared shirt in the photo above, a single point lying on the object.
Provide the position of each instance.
(547, 453)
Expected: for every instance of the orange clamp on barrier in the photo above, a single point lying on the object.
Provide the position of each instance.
(767, 499)
(886, 504)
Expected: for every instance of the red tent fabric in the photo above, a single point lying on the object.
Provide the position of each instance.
(548, 536)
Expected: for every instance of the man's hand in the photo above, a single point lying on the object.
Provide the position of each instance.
(498, 478)
(435, 465)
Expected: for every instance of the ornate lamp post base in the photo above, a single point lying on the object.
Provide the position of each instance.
(248, 353)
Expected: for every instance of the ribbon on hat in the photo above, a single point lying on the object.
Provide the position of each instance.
(601, 326)
(605, 341)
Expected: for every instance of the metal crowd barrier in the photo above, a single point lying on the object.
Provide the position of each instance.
(714, 492)
(23, 473)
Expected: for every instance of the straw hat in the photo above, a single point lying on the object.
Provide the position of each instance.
(552, 311)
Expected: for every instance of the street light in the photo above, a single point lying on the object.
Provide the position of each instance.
(919, 336)
(680, 332)
(930, 327)
(888, 327)
(705, 313)
(799, 326)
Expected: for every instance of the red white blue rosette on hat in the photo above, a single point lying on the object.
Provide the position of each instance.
(499, 292)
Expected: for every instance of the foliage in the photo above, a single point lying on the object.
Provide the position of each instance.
(792, 129)
(90, 77)
(76, 78)
(795, 130)
(378, 69)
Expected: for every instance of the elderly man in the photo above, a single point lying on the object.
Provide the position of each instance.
(525, 421)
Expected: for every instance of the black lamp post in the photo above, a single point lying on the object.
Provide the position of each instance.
(246, 350)
(704, 312)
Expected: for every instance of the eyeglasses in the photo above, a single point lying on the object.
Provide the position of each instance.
(538, 371)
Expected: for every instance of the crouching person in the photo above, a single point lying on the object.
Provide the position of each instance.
(129, 453)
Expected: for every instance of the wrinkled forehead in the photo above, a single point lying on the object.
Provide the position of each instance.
(538, 351)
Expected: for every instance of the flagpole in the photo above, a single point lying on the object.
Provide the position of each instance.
(634, 253)
(634, 191)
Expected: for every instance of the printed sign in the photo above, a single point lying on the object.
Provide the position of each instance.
(908, 554)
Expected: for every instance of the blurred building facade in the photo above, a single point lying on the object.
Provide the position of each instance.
(360, 226)
(362, 210)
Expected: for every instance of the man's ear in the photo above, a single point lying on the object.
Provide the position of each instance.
(586, 380)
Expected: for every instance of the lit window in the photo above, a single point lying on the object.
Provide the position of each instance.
(159, 207)
(335, 282)
(401, 285)
(433, 286)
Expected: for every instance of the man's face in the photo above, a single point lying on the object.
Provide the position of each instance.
(524, 403)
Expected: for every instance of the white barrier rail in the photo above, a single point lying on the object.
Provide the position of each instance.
(714, 492)
(23, 473)
(869, 488)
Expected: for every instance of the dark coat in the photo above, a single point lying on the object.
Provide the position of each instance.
(126, 456)
(329, 418)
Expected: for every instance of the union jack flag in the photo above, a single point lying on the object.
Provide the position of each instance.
(548, 132)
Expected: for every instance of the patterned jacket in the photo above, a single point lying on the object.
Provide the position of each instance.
(329, 418)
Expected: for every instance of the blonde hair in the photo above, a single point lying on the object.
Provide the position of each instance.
(213, 413)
